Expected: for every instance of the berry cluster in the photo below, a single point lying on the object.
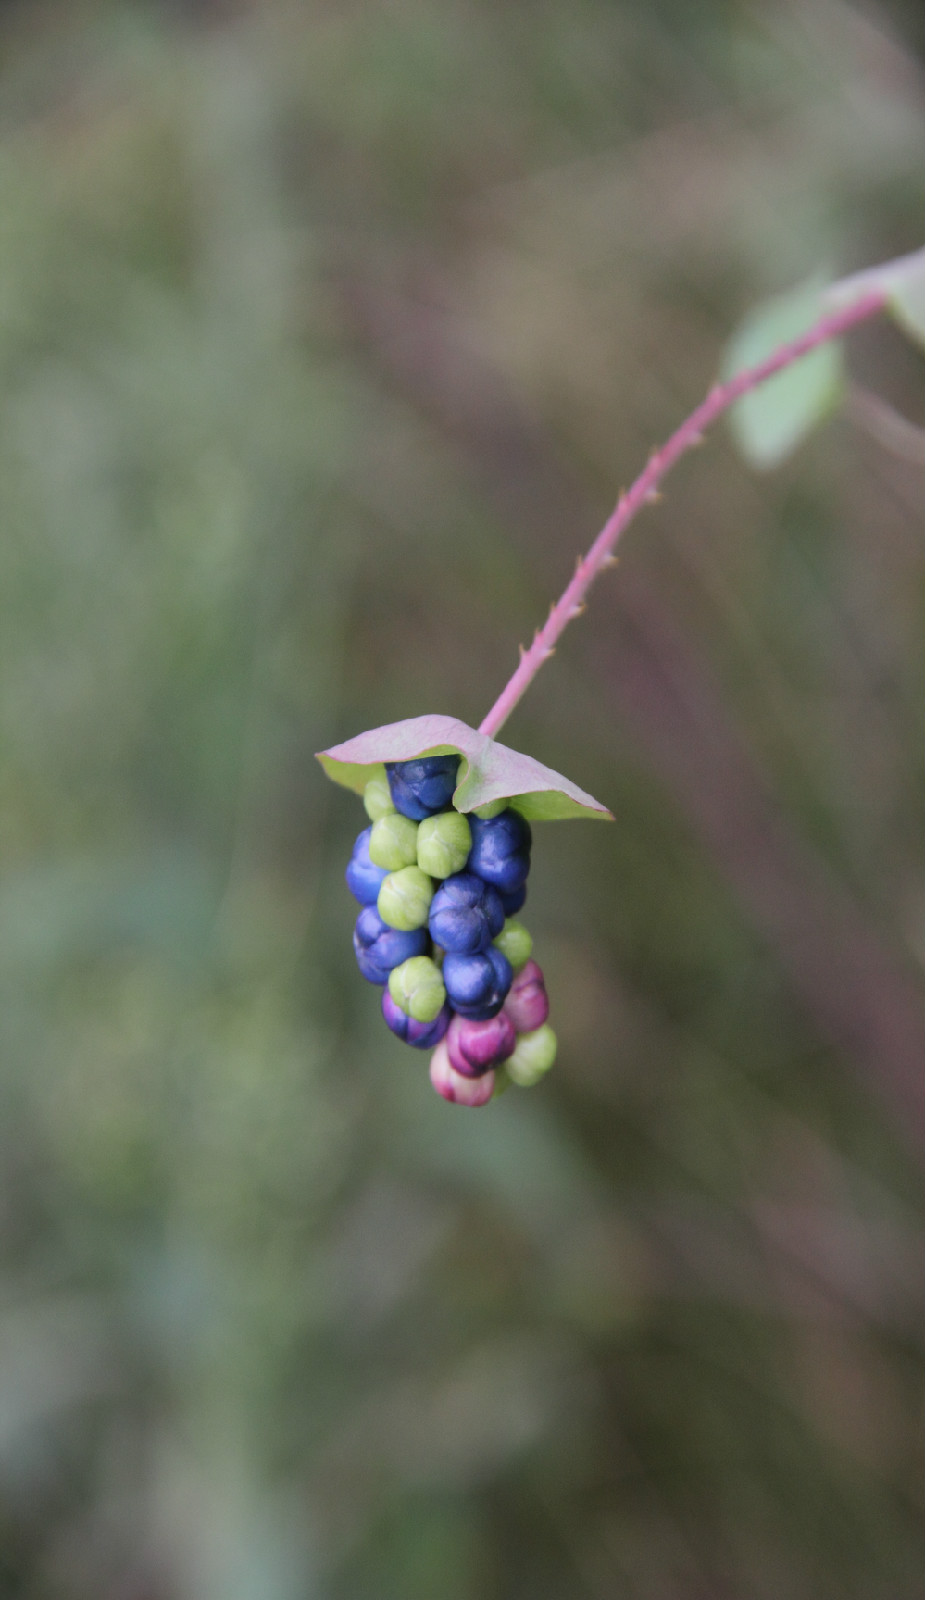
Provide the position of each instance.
(437, 931)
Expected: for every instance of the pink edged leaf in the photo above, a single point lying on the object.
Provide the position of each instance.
(489, 771)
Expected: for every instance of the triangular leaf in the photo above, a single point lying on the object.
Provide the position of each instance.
(771, 421)
(489, 770)
(903, 283)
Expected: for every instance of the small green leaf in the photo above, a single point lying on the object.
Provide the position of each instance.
(903, 283)
(489, 770)
(771, 421)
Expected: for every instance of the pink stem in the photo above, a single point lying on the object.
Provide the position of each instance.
(720, 398)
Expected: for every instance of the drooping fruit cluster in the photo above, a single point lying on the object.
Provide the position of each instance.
(437, 931)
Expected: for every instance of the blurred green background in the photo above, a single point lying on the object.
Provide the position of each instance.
(328, 334)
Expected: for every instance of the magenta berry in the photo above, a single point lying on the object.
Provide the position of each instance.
(453, 1086)
(527, 1003)
(476, 1047)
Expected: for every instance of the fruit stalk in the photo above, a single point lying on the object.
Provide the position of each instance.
(600, 555)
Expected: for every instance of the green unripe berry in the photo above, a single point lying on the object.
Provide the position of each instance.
(502, 1081)
(516, 943)
(417, 987)
(493, 808)
(444, 843)
(404, 899)
(377, 797)
(393, 843)
(533, 1056)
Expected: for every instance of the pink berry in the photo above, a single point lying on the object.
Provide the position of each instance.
(453, 1086)
(527, 1004)
(475, 1047)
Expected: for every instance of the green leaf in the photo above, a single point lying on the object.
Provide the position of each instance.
(771, 421)
(903, 283)
(489, 770)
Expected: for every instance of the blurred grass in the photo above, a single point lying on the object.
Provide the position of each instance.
(327, 336)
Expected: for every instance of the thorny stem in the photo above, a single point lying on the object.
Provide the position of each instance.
(720, 398)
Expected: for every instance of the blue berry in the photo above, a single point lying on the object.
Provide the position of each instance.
(421, 1035)
(364, 878)
(379, 948)
(465, 914)
(501, 850)
(424, 786)
(477, 985)
(514, 901)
